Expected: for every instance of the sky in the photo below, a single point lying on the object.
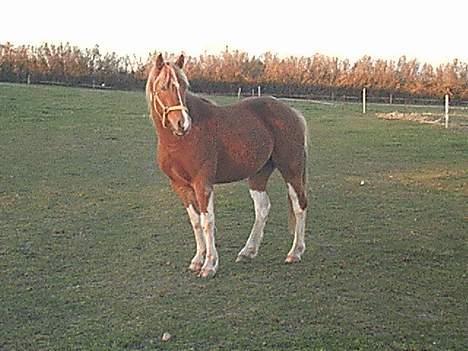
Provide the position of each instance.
(430, 31)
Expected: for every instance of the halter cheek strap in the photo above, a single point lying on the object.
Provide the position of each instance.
(168, 109)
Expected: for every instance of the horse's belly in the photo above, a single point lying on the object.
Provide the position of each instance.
(229, 174)
(243, 158)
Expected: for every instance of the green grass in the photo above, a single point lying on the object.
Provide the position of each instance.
(94, 246)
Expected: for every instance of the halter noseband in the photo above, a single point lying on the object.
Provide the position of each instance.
(168, 109)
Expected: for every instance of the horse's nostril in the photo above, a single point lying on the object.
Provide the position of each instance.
(180, 124)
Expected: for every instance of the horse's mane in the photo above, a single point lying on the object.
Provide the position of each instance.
(205, 99)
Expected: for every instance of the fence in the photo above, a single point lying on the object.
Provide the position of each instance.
(393, 107)
(390, 99)
(446, 108)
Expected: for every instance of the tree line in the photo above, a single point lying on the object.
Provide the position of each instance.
(227, 71)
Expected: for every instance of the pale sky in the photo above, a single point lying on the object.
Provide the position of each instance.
(431, 31)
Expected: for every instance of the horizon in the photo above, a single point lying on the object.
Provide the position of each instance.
(417, 30)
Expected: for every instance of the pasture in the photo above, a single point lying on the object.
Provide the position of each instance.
(94, 246)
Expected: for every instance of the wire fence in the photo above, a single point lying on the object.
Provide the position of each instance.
(393, 99)
(438, 112)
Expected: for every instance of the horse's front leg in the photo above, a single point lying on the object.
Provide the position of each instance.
(187, 195)
(204, 194)
(197, 260)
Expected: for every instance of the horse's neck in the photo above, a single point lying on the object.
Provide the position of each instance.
(199, 107)
(193, 103)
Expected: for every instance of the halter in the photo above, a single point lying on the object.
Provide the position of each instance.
(168, 109)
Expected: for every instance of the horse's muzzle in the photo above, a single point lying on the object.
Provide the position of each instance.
(183, 126)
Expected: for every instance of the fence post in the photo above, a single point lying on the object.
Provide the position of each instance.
(259, 89)
(364, 100)
(239, 92)
(391, 99)
(446, 110)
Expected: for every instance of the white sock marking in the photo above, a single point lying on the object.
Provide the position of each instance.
(208, 225)
(298, 246)
(197, 260)
(262, 208)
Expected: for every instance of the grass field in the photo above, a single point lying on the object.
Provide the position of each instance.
(94, 247)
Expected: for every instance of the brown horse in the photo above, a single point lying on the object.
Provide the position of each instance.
(201, 144)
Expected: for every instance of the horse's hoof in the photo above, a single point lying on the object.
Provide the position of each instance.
(244, 258)
(207, 273)
(292, 259)
(246, 254)
(195, 267)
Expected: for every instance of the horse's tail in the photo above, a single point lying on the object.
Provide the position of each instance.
(291, 216)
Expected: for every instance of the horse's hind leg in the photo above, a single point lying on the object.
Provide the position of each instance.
(297, 212)
(293, 170)
(257, 185)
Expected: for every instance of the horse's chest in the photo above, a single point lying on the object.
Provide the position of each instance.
(181, 165)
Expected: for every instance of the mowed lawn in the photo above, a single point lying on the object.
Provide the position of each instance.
(94, 246)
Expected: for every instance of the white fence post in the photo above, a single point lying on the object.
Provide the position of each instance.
(259, 90)
(446, 110)
(364, 100)
(239, 92)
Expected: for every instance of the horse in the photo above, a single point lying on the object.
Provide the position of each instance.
(200, 144)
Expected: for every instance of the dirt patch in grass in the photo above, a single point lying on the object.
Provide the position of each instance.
(424, 117)
(458, 120)
(451, 180)
(7, 200)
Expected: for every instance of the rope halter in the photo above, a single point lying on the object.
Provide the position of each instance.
(168, 109)
(171, 77)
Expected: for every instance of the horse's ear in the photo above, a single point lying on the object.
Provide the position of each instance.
(159, 63)
(180, 61)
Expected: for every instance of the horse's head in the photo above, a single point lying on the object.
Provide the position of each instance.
(165, 90)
